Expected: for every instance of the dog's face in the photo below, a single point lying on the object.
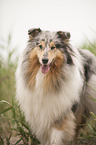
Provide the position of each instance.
(47, 47)
(47, 51)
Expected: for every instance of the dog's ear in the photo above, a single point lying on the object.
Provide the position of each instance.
(63, 35)
(33, 32)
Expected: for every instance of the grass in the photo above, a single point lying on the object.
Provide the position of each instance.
(18, 130)
(13, 128)
(91, 46)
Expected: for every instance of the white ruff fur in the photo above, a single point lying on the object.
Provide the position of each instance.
(42, 111)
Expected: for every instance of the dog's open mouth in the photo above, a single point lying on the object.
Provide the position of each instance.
(45, 68)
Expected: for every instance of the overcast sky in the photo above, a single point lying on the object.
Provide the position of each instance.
(76, 16)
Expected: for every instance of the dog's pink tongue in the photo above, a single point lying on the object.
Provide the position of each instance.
(45, 69)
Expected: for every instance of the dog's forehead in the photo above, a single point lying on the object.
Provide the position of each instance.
(47, 36)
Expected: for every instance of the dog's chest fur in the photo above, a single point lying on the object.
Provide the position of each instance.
(42, 110)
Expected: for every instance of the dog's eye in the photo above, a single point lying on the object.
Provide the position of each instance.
(40, 46)
(53, 47)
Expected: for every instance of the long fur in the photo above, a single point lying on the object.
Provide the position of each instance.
(55, 96)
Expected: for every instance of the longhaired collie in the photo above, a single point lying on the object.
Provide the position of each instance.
(55, 84)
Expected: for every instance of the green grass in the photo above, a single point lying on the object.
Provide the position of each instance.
(91, 46)
(13, 128)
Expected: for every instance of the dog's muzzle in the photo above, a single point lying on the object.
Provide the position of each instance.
(45, 60)
(45, 66)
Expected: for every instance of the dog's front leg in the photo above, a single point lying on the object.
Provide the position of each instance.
(56, 137)
(63, 130)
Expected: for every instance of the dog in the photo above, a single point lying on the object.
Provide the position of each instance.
(55, 86)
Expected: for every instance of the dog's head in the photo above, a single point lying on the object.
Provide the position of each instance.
(49, 47)
(48, 51)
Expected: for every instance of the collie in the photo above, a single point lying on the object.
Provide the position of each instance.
(55, 84)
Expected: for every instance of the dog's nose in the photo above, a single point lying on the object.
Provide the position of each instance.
(45, 60)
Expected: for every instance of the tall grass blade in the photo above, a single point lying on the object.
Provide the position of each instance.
(6, 110)
(18, 141)
(3, 101)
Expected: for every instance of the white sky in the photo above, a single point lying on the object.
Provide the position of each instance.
(76, 16)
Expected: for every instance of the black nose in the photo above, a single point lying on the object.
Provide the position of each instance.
(44, 60)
